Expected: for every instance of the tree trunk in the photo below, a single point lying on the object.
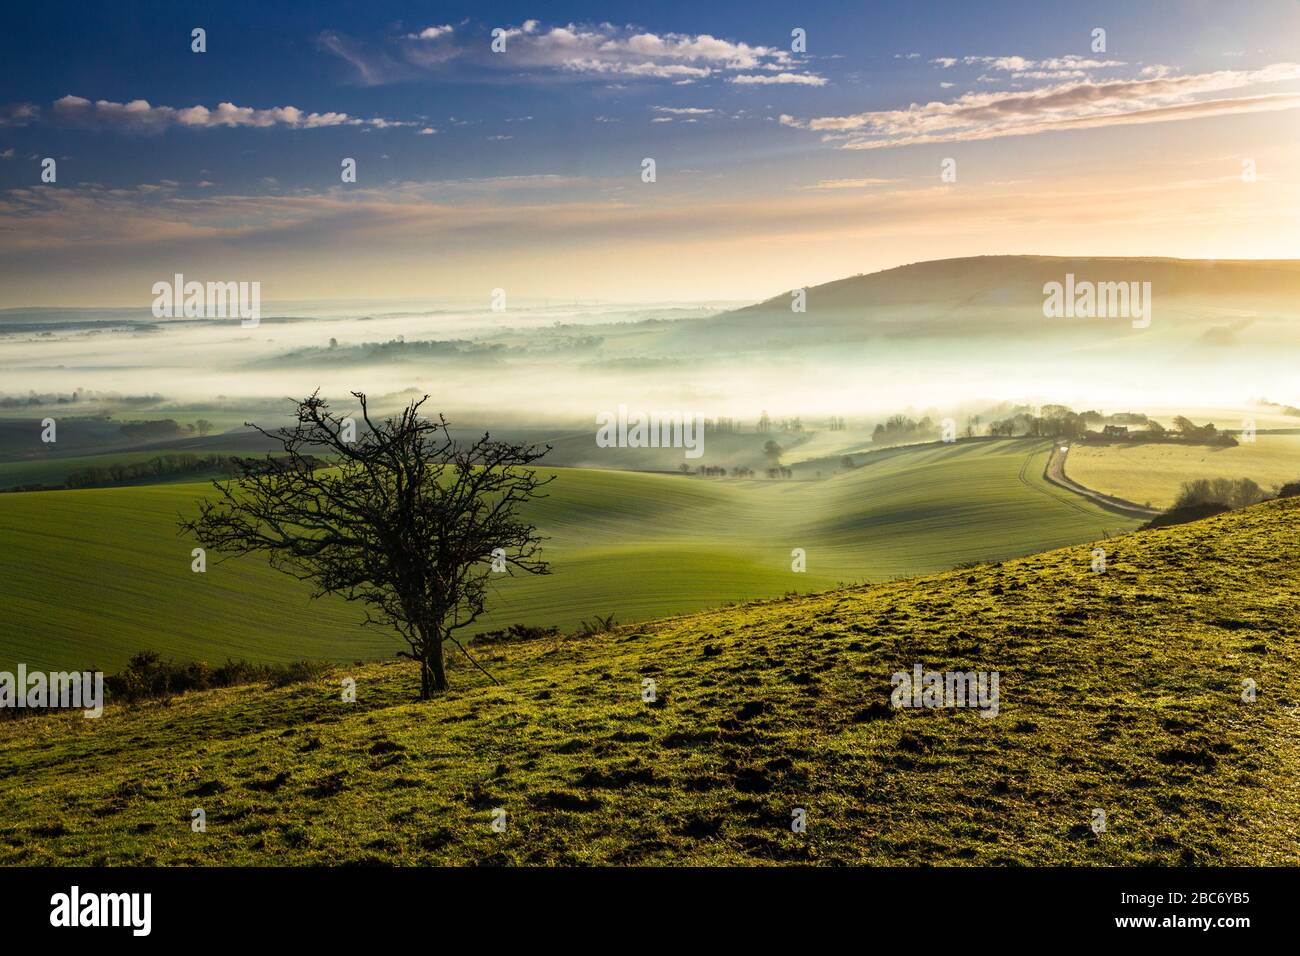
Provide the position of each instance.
(438, 667)
(433, 671)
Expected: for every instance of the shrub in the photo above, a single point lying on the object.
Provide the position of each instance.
(597, 625)
(516, 632)
(148, 676)
(1230, 492)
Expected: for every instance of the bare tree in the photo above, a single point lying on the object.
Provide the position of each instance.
(397, 515)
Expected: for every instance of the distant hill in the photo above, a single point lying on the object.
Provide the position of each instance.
(1015, 281)
(991, 302)
(1145, 717)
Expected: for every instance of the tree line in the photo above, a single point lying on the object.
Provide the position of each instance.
(162, 466)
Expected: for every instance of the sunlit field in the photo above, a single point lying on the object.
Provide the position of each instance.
(1153, 472)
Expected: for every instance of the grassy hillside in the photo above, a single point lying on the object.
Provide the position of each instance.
(89, 577)
(1154, 473)
(1119, 691)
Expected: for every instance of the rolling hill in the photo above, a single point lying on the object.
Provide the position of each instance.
(89, 577)
(1000, 282)
(983, 307)
(1123, 694)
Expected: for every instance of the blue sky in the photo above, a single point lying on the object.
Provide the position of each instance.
(527, 162)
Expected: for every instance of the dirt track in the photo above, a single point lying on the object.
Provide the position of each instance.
(1054, 472)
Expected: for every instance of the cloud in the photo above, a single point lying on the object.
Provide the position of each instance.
(851, 183)
(682, 110)
(430, 33)
(662, 71)
(590, 50)
(373, 67)
(19, 114)
(105, 236)
(1079, 105)
(805, 79)
(141, 116)
(1050, 75)
(156, 215)
(1020, 64)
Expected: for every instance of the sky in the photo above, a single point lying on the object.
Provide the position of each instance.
(776, 165)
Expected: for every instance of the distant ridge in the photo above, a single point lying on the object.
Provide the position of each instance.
(1011, 281)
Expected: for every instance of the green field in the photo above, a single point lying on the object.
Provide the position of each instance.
(1120, 692)
(1153, 473)
(55, 470)
(89, 577)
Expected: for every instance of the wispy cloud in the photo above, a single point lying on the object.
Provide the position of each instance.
(1015, 64)
(126, 239)
(1079, 105)
(770, 79)
(156, 215)
(141, 116)
(1070, 67)
(593, 50)
(851, 183)
(19, 114)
